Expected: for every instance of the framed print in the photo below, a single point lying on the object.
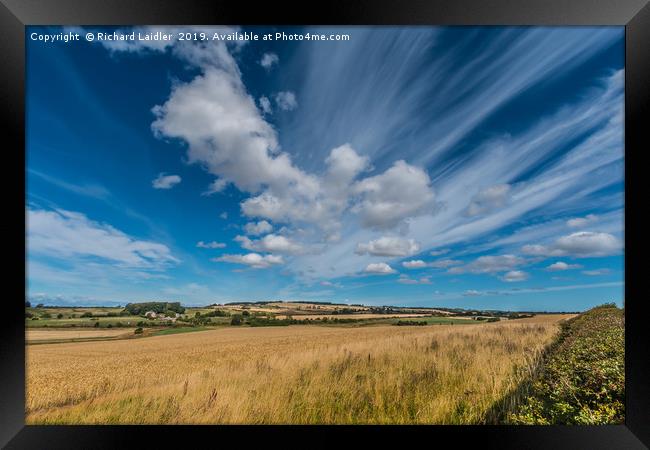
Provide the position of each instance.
(396, 220)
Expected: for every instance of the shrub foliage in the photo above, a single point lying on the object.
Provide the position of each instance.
(583, 379)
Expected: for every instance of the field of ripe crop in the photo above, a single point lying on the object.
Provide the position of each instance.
(439, 374)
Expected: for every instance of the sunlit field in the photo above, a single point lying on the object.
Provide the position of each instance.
(442, 374)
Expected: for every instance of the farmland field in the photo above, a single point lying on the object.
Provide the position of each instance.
(44, 335)
(300, 374)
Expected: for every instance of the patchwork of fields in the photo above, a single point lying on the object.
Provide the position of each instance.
(440, 374)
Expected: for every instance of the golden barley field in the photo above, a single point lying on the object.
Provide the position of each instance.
(441, 374)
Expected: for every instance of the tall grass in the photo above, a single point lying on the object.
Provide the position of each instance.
(300, 374)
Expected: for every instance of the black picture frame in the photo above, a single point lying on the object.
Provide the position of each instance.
(633, 14)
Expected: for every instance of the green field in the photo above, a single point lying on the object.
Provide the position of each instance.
(177, 330)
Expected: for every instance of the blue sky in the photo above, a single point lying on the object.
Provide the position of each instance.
(474, 167)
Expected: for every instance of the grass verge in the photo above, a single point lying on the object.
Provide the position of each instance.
(582, 381)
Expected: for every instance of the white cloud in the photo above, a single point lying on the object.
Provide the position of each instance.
(405, 279)
(587, 243)
(471, 293)
(566, 182)
(400, 192)
(582, 244)
(223, 215)
(163, 181)
(268, 60)
(66, 234)
(212, 244)
(388, 246)
(488, 199)
(560, 265)
(344, 164)
(582, 221)
(270, 243)
(379, 269)
(514, 276)
(265, 105)
(490, 264)
(440, 252)
(445, 263)
(216, 186)
(330, 284)
(596, 272)
(254, 260)
(414, 264)
(439, 264)
(286, 100)
(257, 228)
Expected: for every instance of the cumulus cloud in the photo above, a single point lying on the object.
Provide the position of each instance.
(163, 181)
(541, 250)
(405, 279)
(490, 264)
(439, 264)
(514, 276)
(388, 246)
(414, 264)
(213, 244)
(216, 186)
(226, 134)
(268, 60)
(379, 269)
(400, 192)
(582, 221)
(582, 244)
(445, 263)
(265, 105)
(560, 265)
(488, 199)
(257, 228)
(286, 100)
(66, 234)
(270, 243)
(596, 272)
(253, 260)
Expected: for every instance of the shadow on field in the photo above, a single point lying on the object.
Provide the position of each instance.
(497, 414)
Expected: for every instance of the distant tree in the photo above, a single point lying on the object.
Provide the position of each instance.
(107, 326)
(158, 307)
(27, 304)
(236, 320)
(96, 325)
(245, 313)
(87, 314)
(138, 330)
(59, 316)
(40, 305)
(46, 315)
